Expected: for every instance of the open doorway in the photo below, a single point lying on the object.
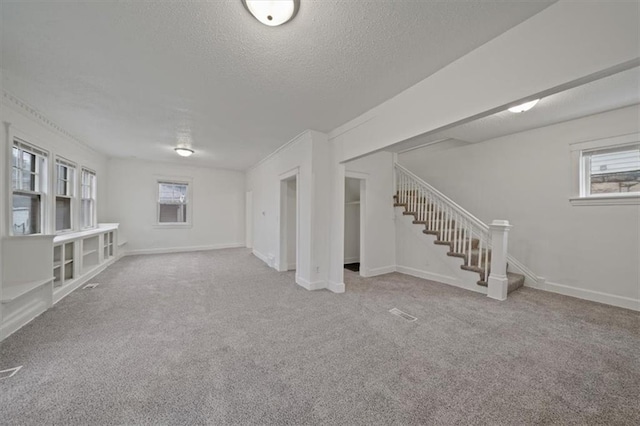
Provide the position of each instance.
(288, 224)
(353, 223)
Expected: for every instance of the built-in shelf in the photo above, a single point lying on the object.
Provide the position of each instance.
(88, 252)
(352, 203)
(12, 291)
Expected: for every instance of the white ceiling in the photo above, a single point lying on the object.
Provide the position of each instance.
(612, 92)
(131, 78)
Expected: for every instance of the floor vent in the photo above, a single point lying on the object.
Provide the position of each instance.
(5, 374)
(398, 312)
(91, 285)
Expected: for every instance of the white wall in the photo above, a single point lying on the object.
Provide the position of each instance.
(25, 122)
(264, 181)
(585, 251)
(217, 204)
(36, 130)
(378, 250)
(528, 60)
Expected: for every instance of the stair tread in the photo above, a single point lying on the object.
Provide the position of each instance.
(515, 281)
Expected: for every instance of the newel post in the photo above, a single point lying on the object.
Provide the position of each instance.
(498, 282)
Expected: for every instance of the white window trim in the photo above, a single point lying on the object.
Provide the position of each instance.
(13, 137)
(179, 180)
(578, 184)
(94, 219)
(74, 190)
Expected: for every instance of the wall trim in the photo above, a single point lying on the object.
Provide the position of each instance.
(355, 259)
(185, 249)
(316, 285)
(591, 295)
(372, 272)
(36, 115)
(278, 150)
(431, 276)
(336, 287)
(529, 275)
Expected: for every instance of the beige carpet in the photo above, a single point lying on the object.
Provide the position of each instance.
(218, 338)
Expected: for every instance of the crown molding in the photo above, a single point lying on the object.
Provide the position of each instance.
(36, 115)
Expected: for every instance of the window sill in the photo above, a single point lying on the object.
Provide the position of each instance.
(608, 200)
(172, 225)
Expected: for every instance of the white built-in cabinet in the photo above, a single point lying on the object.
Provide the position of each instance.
(40, 270)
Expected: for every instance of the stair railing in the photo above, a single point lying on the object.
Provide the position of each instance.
(468, 237)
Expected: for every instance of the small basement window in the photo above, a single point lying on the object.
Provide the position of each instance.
(173, 203)
(608, 171)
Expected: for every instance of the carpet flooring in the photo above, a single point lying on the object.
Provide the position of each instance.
(218, 338)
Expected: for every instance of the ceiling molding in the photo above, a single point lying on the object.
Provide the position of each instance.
(282, 148)
(36, 115)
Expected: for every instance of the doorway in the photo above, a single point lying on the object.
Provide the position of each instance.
(353, 223)
(288, 224)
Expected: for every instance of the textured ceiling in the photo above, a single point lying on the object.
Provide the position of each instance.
(612, 92)
(132, 78)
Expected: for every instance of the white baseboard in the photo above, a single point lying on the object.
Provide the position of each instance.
(352, 260)
(260, 256)
(418, 273)
(592, 295)
(291, 267)
(317, 285)
(183, 249)
(64, 291)
(336, 287)
(378, 271)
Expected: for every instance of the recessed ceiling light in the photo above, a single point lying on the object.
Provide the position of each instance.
(524, 107)
(184, 152)
(272, 12)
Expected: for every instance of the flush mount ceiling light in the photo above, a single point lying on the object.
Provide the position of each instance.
(524, 107)
(272, 12)
(184, 152)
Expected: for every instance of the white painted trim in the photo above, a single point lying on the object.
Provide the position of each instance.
(591, 295)
(291, 266)
(278, 150)
(62, 292)
(418, 273)
(609, 200)
(352, 260)
(17, 320)
(377, 271)
(45, 121)
(336, 287)
(519, 267)
(186, 249)
(261, 256)
(316, 285)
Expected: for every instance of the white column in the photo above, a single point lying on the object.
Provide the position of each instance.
(498, 282)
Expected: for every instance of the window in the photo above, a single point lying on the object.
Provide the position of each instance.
(88, 199)
(28, 183)
(607, 171)
(173, 203)
(65, 192)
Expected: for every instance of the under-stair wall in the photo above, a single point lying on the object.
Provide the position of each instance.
(589, 252)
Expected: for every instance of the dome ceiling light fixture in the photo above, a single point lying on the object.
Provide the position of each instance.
(272, 12)
(184, 152)
(524, 107)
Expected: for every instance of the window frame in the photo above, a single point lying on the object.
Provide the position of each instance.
(71, 189)
(189, 202)
(93, 197)
(580, 154)
(40, 182)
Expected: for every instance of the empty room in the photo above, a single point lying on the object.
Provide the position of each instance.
(303, 212)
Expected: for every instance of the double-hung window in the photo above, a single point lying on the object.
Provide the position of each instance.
(173, 200)
(88, 199)
(608, 171)
(65, 193)
(29, 183)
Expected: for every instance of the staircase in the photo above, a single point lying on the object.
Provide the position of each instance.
(482, 247)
